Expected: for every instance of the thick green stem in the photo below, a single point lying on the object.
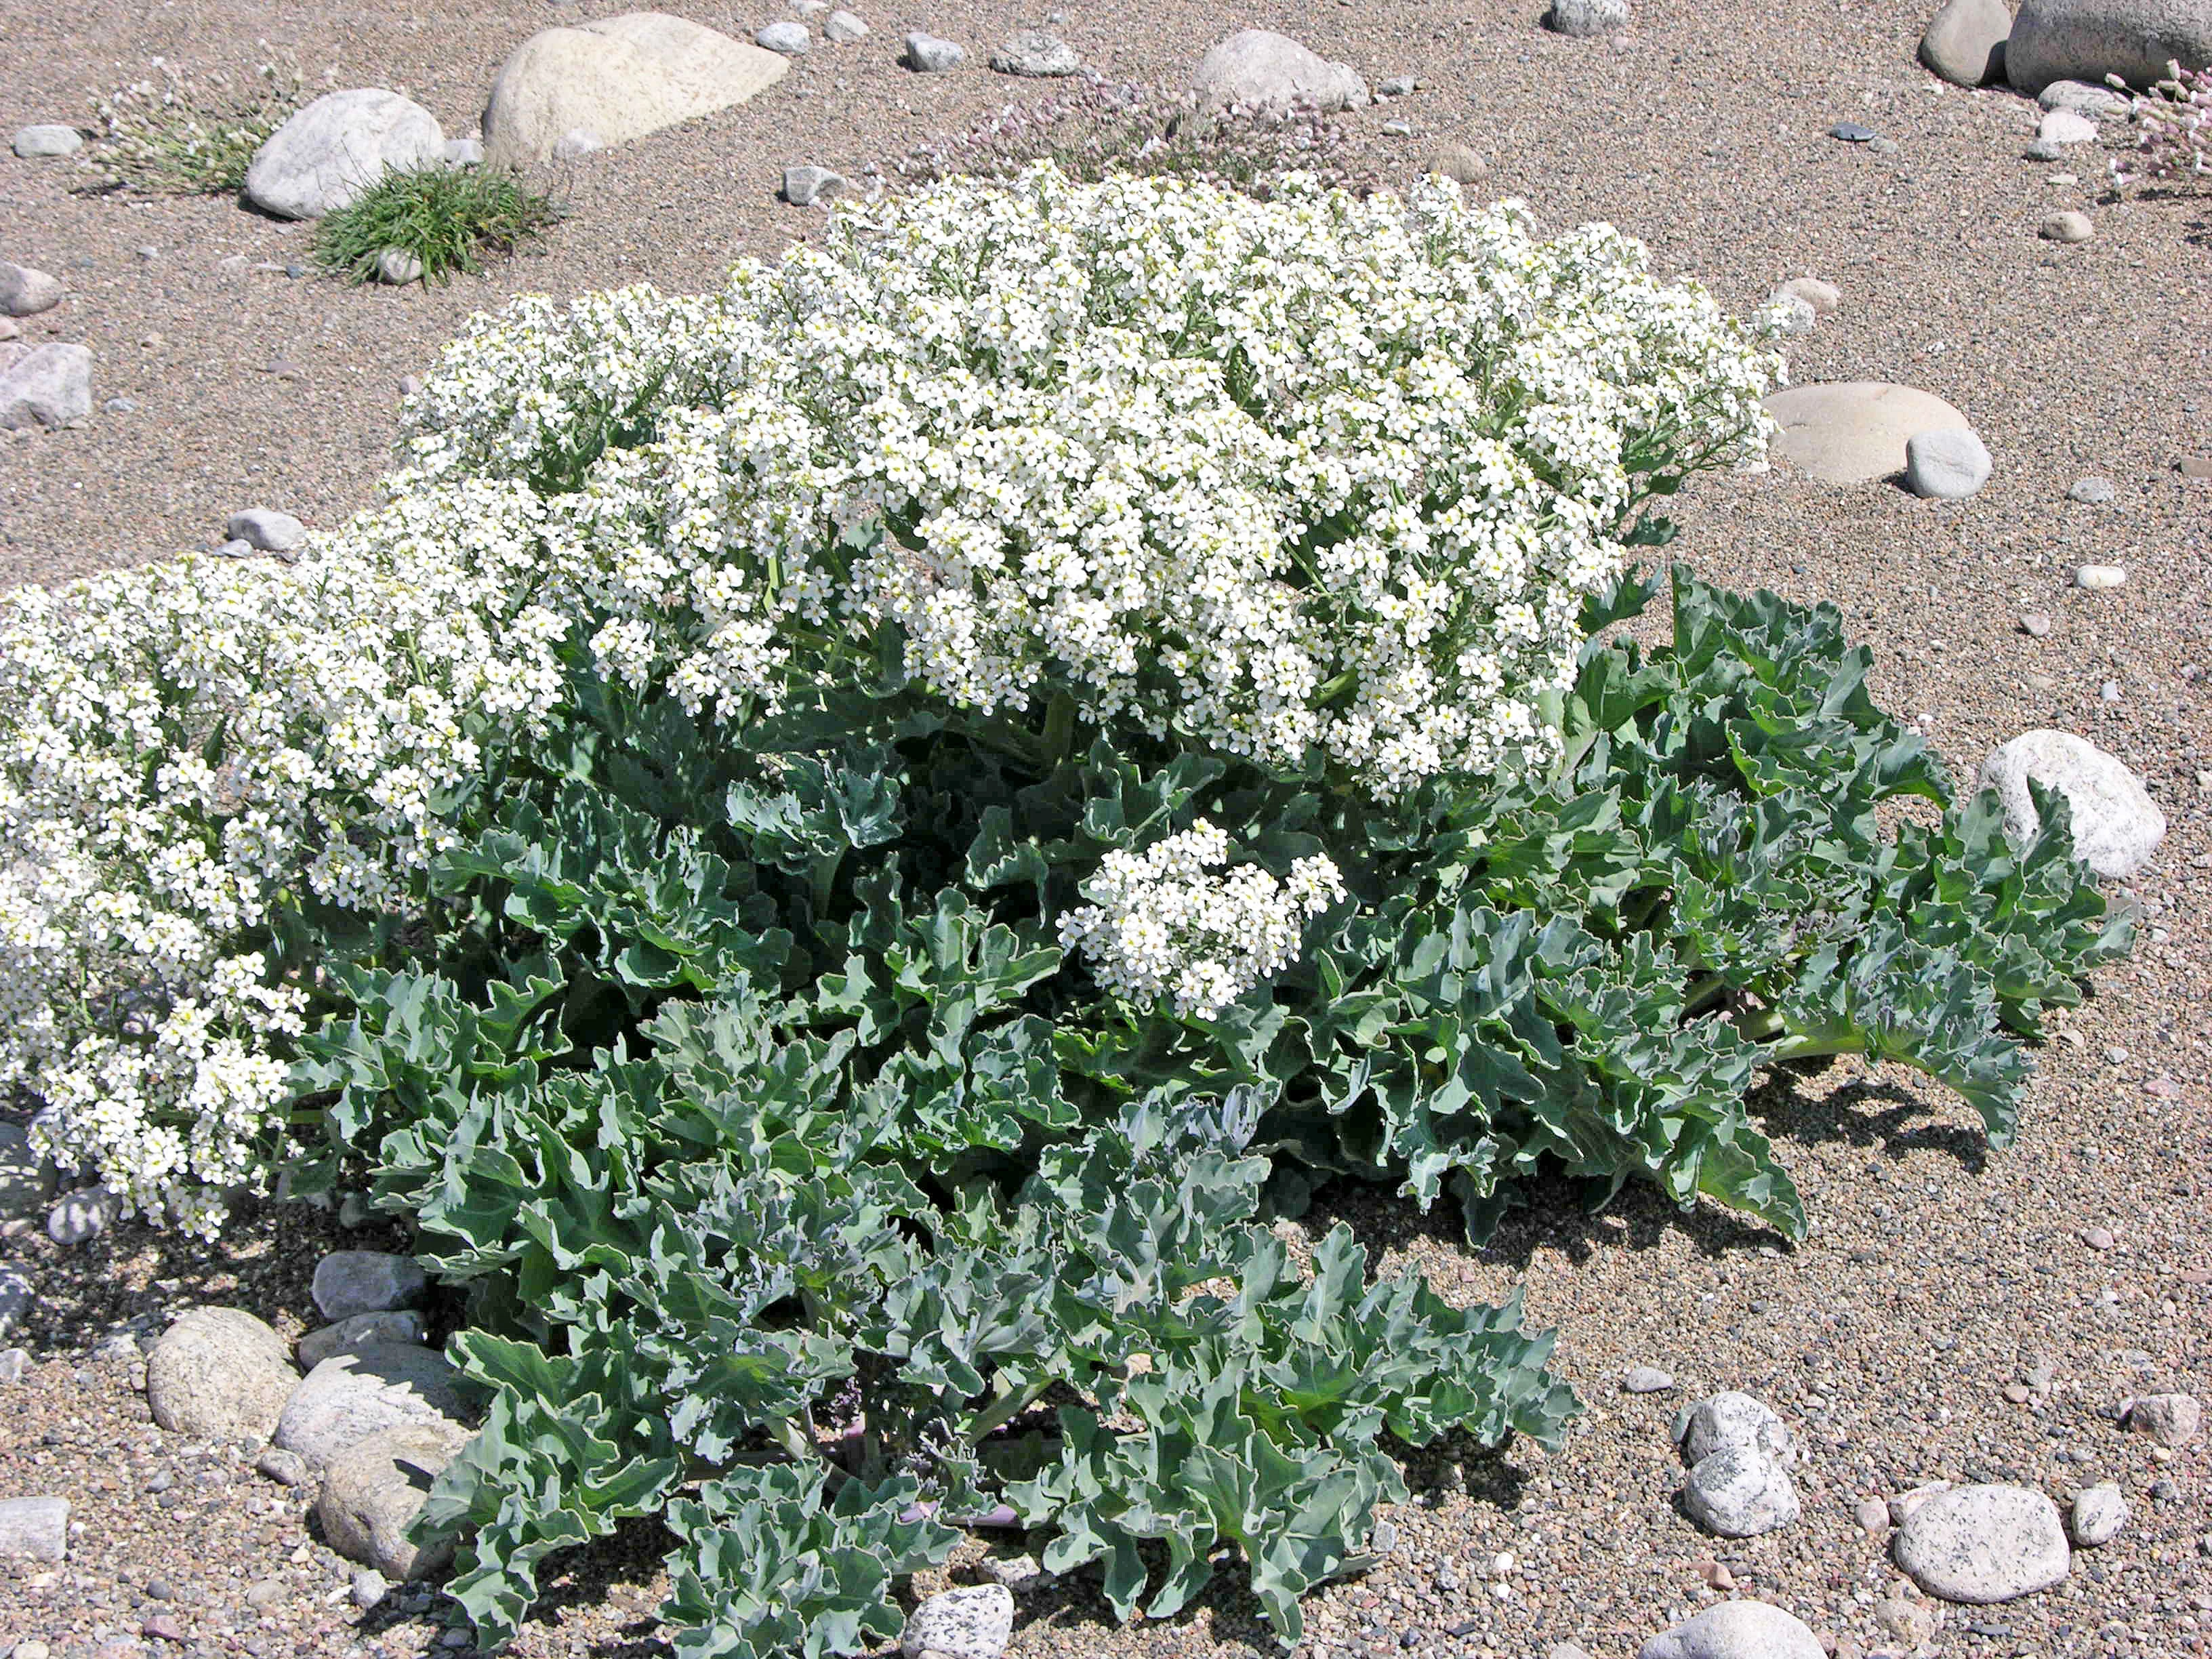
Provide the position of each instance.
(1003, 1410)
(795, 1440)
(1059, 729)
(824, 879)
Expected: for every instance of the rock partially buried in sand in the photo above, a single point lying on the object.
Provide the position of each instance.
(46, 140)
(1823, 297)
(1035, 53)
(1585, 19)
(2117, 825)
(1948, 464)
(24, 291)
(328, 154)
(2088, 39)
(1982, 1545)
(2066, 126)
(1850, 432)
(1737, 1629)
(1258, 69)
(34, 1529)
(2097, 103)
(618, 78)
(373, 1492)
(351, 1396)
(1964, 42)
(2067, 226)
(1457, 162)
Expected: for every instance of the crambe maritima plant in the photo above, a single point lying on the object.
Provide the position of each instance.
(846, 850)
(2174, 129)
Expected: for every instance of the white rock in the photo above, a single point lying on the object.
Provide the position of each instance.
(1850, 432)
(1035, 53)
(2100, 575)
(2172, 1419)
(619, 78)
(843, 28)
(1647, 1379)
(930, 54)
(1823, 297)
(2117, 825)
(2087, 39)
(14, 1364)
(2098, 1516)
(395, 267)
(1964, 41)
(2066, 126)
(45, 139)
(327, 153)
(219, 1374)
(24, 291)
(350, 1282)
(237, 548)
(368, 1589)
(2091, 492)
(464, 153)
(1906, 1502)
(804, 187)
(790, 39)
(1736, 1421)
(1737, 1629)
(374, 1489)
(1586, 18)
(1258, 69)
(34, 1529)
(973, 1623)
(359, 1331)
(1739, 1491)
(88, 1212)
(350, 1396)
(1948, 464)
(269, 531)
(1979, 1545)
(2099, 103)
(1795, 315)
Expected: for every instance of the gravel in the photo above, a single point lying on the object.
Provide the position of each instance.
(1940, 1268)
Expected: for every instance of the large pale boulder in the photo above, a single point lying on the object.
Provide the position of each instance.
(1257, 69)
(374, 1489)
(1981, 1545)
(2117, 825)
(1737, 1629)
(2088, 39)
(329, 152)
(219, 1374)
(1854, 431)
(618, 78)
(1966, 41)
(350, 1396)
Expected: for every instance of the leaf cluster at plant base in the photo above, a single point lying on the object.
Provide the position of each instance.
(807, 1193)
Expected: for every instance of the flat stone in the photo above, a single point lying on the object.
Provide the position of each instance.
(1982, 1545)
(350, 1396)
(1585, 19)
(1737, 1629)
(1823, 297)
(24, 291)
(2068, 226)
(2091, 492)
(267, 529)
(1739, 1491)
(1037, 54)
(2097, 1516)
(2099, 103)
(1850, 432)
(1457, 162)
(1964, 42)
(2066, 126)
(1852, 133)
(931, 54)
(791, 40)
(2036, 624)
(804, 187)
(1258, 69)
(2095, 576)
(1732, 1420)
(1873, 1515)
(374, 1489)
(34, 1529)
(619, 79)
(348, 1282)
(2088, 39)
(2116, 823)
(2171, 1419)
(1948, 464)
(359, 1331)
(337, 147)
(219, 1374)
(843, 28)
(1647, 1379)
(285, 1469)
(46, 139)
(973, 1623)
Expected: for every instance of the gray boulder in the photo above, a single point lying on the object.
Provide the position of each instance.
(373, 1492)
(2117, 825)
(337, 147)
(358, 1331)
(348, 1282)
(267, 529)
(1585, 18)
(974, 1623)
(1948, 464)
(219, 1374)
(46, 139)
(1035, 53)
(2097, 102)
(33, 1529)
(1739, 1491)
(931, 54)
(1256, 68)
(1737, 1629)
(2088, 39)
(84, 1214)
(1979, 1545)
(1964, 42)
(24, 291)
(350, 1396)
(2098, 1516)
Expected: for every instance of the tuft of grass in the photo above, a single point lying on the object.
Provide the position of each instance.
(448, 219)
(173, 134)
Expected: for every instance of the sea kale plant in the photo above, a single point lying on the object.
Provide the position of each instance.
(851, 852)
(2174, 129)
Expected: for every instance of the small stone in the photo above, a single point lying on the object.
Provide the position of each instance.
(1879, 145)
(34, 1529)
(237, 548)
(2194, 466)
(1981, 1545)
(1035, 53)
(2171, 1419)
(1397, 129)
(285, 369)
(454, 1639)
(1851, 133)
(24, 291)
(790, 39)
(843, 28)
(285, 1469)
(462, 153)
(1737, 1629)
(266, 1592)
(973, 1623)
(804, 187)
(2036, 624)
(348, 1282)
(1019, 1573)
(1945, 464)
(2067, 226)
(2098, 1238)
(269, 531)
(929, 54)
(82, 1215)
(2097, 103)
(2041, 151)
(120, 406)
(395, 267)
(2018, 1393)
(1910, 1622)
(2100, 575)
(1873, 1515)
(2091, 492)
(1823, 297)
(14, 1364)
(2066, 126)
(1584, 19)
(45, 139)
(1566, 1650)
(161, 1627)
(1457, 162)
(1732, 1419)
(1398, 86)
(1647, 1379)
(359, 1331)
(9, 329)
(369, 1587)
(1739, 1491)
(2098, 1516)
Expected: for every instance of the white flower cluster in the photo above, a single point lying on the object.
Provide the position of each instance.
(1166, 924)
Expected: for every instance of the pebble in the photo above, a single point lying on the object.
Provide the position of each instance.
(348, 1282)
(1873, 1515)
(1737, 1629)
(2035, 624)
(1881, 146)
(2098, 1516)
(1823, 297)
(790, 39)
(395, 267)
(1019, 1573)
(1457, 162)
(843, 28)
(14, 1364)
(804, 187)
(2171, 1419)
(2091, 492)
(120, 406)
(2067, 226)
(1851, 133)
(2100, 575)
(1397, 129)
(24, 291)
(1732, 1419)
(1398, 86)
(1908, 1621)
(34, 1529)
(1984, 1543)
(2098, 1238)
(369, 1587)
(930, 54)
(82, 1215)
(972, 1623)
(268, 530)
(285, 1469)
(1035, 53)
(1647, 1379)
(1945, 464)
(285, 369)
(237, 548)
(464, 153)
(46, 139)
(2084, 99)
(2066, 126)
(266, 1592)
(162, 1627)
(2194, 466)
(1585, 19)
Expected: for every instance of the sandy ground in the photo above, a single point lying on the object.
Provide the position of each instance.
(1939, 1275)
